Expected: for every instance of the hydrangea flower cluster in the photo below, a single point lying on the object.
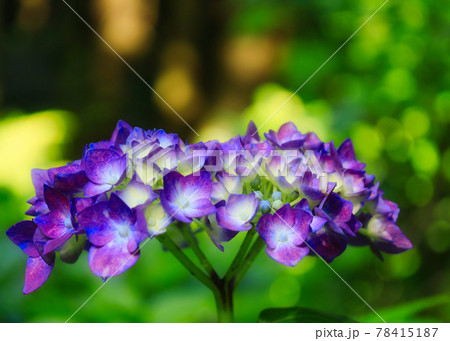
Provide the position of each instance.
(301, 195)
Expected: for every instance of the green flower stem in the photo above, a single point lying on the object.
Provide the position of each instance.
(193, 244)
(170, 245)
(296, 201)
(222, 288)
(224, 309)
(240, 255)
(224, 303)
(268, 188)
(257, 246)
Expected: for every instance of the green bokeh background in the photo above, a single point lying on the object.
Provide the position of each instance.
(220, 64)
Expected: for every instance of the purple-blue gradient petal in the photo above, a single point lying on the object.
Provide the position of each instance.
(327, 244)
(187, 197)
(55, 200)
(91, 189)
(38, 207)
(53, 224)
(238, 212)
(53, 244)
(111, 259)
(121, 133)
(287, 254)
(287, 137)
(347, 155)
(387, 236)
(104, 166)
(36, 273)
(95, 221)
(21, 234)
(70, 178)
(285, 234)
(39, 177)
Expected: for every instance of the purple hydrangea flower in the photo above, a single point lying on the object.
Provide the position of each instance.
(323, 197)
(282, 172)
(238, 212)
(22, 234)
(380, 230)
(310, 187)
(187, 197)
(347, 156)
(38, 269)
(104, 168)
(327, 243)
(287, 137)
(386, 235)
(119, 137)
(218, 234)
(227, 184)
(68, 179)
(57, 225)
(338, 213)
(317, 222)
(285, 233)
(115, 232)
(331, 240)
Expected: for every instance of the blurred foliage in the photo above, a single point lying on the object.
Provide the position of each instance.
(220, 64)
(300, 315)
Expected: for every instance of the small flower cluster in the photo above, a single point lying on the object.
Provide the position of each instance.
(303, 196)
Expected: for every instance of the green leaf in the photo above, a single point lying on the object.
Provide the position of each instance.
(300, 315)
(407, 312)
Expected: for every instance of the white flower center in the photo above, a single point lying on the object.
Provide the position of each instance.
(282, 237)
(123, 230)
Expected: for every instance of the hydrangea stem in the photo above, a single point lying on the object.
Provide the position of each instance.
(222, 288)
(240, 255)
(224, 303)
(170, 245)
(193, 244)
(257, 246)
(224, 309)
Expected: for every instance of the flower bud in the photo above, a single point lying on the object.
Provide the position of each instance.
(276, 195)
(265, 206)
(277, 204)
(259, 195)
(255, 184)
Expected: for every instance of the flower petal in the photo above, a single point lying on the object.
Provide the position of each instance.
(104, 166)
(136, 193)
(92, 189)
(96, 222)
(39, 177)
(56, 201)
(288, 254)
(53, 224)
(386, 236)
(111, 259)
(157, 219)
(238, 212)
(36, 273)
(327, 244)
(121, 133)
(38, 207)
(54, 244)
(187, 197)
(21, 234)
(347, 156)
